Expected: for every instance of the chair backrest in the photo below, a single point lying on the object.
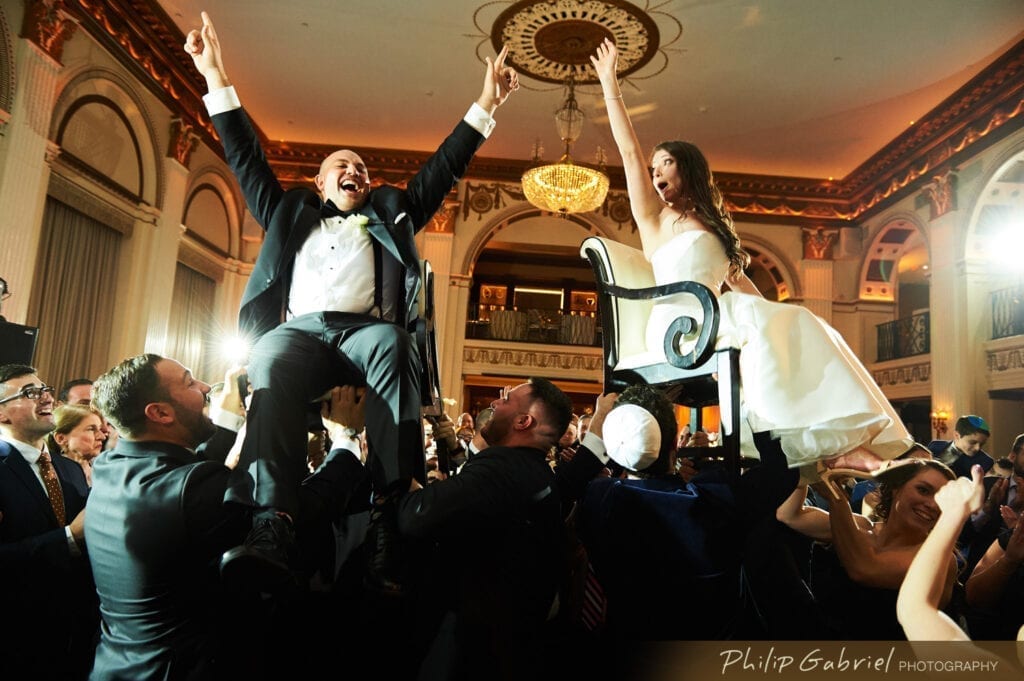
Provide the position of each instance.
(426, 342)
(623, 322)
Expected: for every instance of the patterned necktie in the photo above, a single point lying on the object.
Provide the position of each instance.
(52, 486)
(594, 609)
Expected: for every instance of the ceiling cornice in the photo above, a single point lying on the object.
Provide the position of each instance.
(989, 107)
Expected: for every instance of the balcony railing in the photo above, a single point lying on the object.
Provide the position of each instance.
(1008, 312)
(536, 326)
(904, 337)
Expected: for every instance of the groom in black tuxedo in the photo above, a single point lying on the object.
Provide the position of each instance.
(329, 302)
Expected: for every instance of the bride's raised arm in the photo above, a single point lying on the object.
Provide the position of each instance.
(643, 199)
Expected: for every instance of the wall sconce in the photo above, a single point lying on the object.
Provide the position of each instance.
(939, 419)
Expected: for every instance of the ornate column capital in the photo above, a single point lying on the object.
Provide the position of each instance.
(941, 194)
(183, 141)
(819, 243)
(444, 219)
(47, 26)
(52, 152)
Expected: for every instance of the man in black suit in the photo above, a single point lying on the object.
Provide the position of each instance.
(498, 524)
(157, 526)
(47, 595)
(329, 301)
(970, 433)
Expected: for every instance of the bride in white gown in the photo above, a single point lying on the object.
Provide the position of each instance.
(801, 381)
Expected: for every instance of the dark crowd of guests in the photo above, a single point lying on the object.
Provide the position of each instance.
(529, 538)
(296, 519)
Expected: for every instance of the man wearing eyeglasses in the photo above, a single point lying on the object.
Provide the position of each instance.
(45, 581)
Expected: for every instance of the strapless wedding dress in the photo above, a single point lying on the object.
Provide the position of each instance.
(800, 380)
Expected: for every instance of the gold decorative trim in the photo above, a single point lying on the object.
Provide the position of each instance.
(513, 358)
(998, 361)
(904, 375)
(979, 114)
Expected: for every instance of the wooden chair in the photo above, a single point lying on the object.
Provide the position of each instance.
(691, 372)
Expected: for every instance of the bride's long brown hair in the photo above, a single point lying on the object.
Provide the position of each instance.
(705, 199)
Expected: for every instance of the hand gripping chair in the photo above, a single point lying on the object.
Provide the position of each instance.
(692, 371)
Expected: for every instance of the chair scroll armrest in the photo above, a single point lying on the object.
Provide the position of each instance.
(686, 326)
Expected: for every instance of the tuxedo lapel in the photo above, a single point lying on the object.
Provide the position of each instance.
(23, 472)
(307, 218)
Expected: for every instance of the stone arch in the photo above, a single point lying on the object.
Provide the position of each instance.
(775, 267)
(102, 85)
(998, 204)
(587, 224)
(900, 234)
(213, 180)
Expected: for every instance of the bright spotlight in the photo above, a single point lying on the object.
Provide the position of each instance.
(235, 349)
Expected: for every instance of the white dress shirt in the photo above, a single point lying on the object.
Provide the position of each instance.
(334, 267)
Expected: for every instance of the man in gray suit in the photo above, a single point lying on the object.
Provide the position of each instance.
(157, 523)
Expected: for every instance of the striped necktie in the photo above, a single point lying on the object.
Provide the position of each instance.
(52, 486)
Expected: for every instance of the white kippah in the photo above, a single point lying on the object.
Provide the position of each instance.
(632, 437)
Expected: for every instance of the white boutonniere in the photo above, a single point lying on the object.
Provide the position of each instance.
(357, 220)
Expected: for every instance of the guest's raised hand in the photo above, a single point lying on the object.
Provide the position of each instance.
(685, 468)
(343, 410)
(605, 403)
(204, 48)
(225, 396)
(1010, 517)
(962, 496)
(699, 439)
(1015, 547)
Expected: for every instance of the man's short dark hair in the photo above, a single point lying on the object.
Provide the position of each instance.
(9, 371)
(557, 407)
(971, 424)
(73, 383)
(122, 393)
(654, 401)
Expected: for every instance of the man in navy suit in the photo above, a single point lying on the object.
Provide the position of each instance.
(329, 301)
(47, 595)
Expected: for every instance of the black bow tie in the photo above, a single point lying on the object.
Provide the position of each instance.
(329, 210)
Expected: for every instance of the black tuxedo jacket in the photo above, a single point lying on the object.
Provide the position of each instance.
(396, 215)
(43, 587)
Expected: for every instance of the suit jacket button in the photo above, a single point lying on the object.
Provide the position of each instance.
(269, 281)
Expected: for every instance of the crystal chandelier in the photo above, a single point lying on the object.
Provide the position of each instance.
(565, 187)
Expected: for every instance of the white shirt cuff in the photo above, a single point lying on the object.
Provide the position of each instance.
(73, 547)
(224, 99)
(596, 445)
(476, 117)
(226, 419)
(350, 443)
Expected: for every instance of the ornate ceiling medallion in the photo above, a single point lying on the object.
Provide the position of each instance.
(552, 40)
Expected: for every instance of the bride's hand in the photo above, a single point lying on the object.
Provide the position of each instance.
(605, 62)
